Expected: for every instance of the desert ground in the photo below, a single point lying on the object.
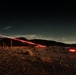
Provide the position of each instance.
(53, 60)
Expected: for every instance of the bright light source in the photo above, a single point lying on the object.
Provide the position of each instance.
(72, 50)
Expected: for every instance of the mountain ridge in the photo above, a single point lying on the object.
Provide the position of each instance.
(16, 42)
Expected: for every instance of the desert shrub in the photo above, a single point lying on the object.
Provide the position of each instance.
(28, 52)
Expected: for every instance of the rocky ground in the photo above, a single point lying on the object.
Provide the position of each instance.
(37, 61)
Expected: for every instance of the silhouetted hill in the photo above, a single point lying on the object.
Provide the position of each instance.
(47, 42)
(14, 42)
(22, 38)
(51, 43)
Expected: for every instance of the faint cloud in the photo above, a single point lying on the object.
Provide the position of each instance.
(8, 27)
(26, 36)
(63, 38)
(70, 42)
(35, 36)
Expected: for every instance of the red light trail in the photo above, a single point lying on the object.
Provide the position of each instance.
(28, 42)
(72, 50)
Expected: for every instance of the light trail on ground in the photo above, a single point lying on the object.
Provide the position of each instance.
(23, 41)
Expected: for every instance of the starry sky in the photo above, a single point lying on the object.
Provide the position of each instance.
(48, 19)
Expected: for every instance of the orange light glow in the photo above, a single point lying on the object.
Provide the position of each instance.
(39, 45)
(72, 50)
(23, 41)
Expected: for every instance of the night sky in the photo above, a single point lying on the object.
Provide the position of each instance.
(48, 19)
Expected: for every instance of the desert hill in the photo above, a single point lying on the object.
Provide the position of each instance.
(17, 42)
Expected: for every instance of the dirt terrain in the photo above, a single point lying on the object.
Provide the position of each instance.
(37, 61)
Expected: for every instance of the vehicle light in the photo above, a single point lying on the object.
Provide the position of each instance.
(72, 50)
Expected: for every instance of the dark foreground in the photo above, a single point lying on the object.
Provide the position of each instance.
(31, 62)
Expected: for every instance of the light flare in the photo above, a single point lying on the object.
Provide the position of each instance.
(72, 50)
(28, 42)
